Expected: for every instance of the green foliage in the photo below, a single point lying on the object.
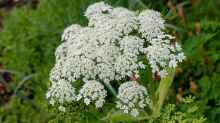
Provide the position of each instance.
(203, 57)
(23, 111)
(187, 113)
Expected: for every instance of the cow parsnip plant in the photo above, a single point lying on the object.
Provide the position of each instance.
(113, 48)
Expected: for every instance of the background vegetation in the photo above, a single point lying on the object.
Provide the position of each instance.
(31, 30)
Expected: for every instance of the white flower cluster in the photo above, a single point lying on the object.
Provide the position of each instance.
(93, 91)
(161, 51)
(61, 92)
(107, 18)
(132, 97)
(103, 50)
(112, 47)
(151, 24)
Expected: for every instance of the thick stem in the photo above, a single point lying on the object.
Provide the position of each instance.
(162, 91)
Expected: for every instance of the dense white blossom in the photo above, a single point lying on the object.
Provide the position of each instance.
(106, 51)
(161, 51)
(93, 91)
(71, 32)
(132, 97)
(95, 54)
(161, 54)
(112, 47)
(107, 18)
(61, 91)
(151, 24)
(97, 9)
(132, 45)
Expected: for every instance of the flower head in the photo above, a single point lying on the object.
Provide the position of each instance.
(132, 97)
(93, 91)
(61, 91)
(151, 24)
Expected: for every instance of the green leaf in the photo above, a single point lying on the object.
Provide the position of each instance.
(118, 116)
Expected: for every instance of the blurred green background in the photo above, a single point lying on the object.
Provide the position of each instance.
(30, 31)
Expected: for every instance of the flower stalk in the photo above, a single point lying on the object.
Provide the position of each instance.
(110, 88)
(162, 91)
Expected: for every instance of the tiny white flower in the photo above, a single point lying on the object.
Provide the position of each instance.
(126, 111)
(62, 108)
(99, 103)
(134, 112)
(163, 73)
(172, 63)
(87, 101)
(52, 102)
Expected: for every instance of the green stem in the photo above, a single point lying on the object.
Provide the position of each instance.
(162, 91)
(109, 86)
